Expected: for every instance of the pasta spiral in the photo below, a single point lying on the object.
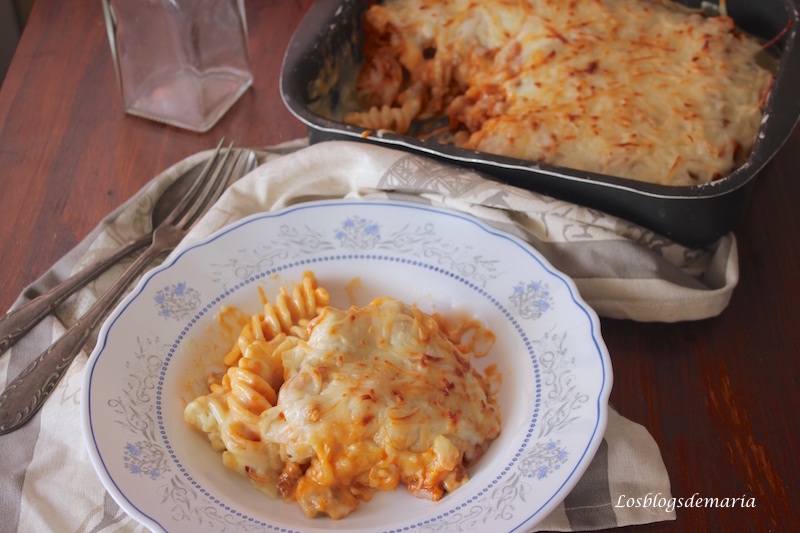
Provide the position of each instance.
(229, 414)
(385, 117)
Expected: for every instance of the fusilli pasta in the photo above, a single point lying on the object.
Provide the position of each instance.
(326, 406)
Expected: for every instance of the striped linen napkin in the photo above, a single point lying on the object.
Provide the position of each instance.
(47, 482)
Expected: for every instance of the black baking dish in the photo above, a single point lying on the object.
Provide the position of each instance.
(325, 52)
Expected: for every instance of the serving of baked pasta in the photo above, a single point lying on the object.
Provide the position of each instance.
(326, 406)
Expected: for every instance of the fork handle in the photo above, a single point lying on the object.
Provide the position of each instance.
(25, 395)
(15, 324)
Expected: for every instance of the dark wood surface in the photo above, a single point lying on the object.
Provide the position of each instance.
(720, 396)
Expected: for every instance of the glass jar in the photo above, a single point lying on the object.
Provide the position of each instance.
(181, 62)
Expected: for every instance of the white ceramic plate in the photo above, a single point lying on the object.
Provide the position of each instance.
(153, 351)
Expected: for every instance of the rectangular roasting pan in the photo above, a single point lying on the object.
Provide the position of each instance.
(325, 52)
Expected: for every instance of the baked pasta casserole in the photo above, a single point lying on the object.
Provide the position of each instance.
(326, 406)
(640, 89)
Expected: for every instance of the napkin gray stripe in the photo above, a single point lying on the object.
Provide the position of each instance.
(612, 259)
(112, 518)
(588, 505)
(16, 458)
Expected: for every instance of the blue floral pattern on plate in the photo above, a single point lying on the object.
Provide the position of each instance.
(177, 301)
(531, 299)
(544, 459)
(358, 232)
(144, 458)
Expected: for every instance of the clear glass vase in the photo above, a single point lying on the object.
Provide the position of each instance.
(181, 62)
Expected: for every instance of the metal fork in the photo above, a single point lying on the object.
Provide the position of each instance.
(25, 395)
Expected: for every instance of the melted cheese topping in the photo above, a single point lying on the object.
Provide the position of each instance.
(377, 397)
(641, 89)
(367, 399)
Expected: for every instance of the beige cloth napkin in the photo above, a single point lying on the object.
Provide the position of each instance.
(48, 484)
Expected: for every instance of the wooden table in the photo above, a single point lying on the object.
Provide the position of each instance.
(720, 396)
